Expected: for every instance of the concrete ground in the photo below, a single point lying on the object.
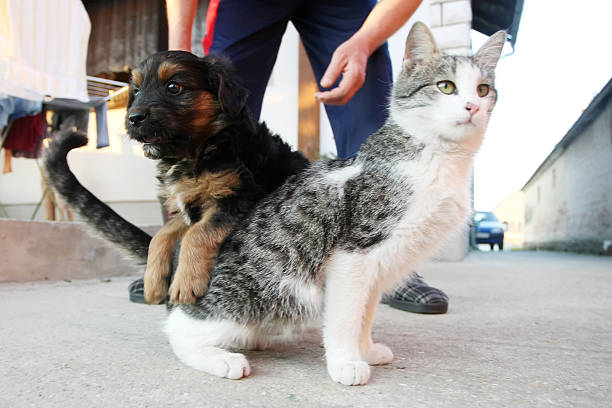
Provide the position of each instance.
(524, 329)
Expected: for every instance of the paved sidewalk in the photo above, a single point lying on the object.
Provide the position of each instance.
(523, 329)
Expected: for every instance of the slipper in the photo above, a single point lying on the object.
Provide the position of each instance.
(416, 296)
(136, 290)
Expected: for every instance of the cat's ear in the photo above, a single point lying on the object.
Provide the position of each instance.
(420, 45)
(488, 55)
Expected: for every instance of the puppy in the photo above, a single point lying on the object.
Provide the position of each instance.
(214, 163)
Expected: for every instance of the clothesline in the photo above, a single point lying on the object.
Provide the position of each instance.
(105, 88)
(100, 91)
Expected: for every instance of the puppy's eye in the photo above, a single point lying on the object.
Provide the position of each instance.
(174, 88)
(135, 91)
(483, 90)
(446, 87)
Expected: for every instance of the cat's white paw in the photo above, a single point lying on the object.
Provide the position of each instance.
(230, 365)
(350, 372)
(378, 354)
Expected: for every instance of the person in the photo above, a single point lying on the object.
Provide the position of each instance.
(345, 41)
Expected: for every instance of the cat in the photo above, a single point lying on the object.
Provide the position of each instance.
(333, 238)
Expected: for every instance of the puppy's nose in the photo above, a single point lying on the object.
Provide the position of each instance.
(137, 116)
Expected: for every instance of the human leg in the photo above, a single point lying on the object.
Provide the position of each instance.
(249, 33)
(323, 26)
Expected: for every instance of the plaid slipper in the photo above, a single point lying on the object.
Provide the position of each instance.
(416, 296)
(136, 290)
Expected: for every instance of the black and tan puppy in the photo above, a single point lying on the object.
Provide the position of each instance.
(215, 163)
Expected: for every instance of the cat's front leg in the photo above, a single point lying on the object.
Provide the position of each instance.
(347, 284)
(373, 353)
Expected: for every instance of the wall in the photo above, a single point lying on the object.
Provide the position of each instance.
(511, 212)
(451, 22)
(59, 250)
(568, 206)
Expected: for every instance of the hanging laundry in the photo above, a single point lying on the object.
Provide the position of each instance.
(44, 48)
(25, 137)
(7, 105)
(12, 108)
(39, 137)
(102, 125)
(25, 107)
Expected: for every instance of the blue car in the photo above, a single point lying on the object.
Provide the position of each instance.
(488, 229)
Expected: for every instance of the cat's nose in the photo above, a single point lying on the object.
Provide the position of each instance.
(470, 107)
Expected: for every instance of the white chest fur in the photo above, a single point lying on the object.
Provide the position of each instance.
(438, 206)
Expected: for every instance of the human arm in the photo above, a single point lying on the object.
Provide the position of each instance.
(181, 14)
(351, 57)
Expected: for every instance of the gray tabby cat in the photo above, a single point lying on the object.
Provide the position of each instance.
(332, 239)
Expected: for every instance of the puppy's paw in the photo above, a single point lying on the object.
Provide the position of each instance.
(230, 365)
(378, 354)
(155, 288)
(349, 372)
(186, 287)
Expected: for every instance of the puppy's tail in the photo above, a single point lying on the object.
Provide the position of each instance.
(96, 214)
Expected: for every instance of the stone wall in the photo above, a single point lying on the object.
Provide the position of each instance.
(451, 22)
(32, 250)
(568, 205)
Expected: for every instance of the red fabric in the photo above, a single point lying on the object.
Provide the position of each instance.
(211, 17)
(25, 133)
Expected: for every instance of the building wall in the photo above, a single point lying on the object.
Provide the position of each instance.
(511, 212)
(569, 204)
(451, 22)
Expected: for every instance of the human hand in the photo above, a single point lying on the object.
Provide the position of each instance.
(350, 59)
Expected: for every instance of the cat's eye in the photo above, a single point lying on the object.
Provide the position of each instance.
(483, 90)
(446, 87)
(135, 91)
(173, 87)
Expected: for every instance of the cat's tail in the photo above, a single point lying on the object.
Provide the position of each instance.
(93, 211)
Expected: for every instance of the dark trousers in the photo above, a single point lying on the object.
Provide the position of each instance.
(249, 32)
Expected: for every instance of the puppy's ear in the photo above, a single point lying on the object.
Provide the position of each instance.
(231, 95)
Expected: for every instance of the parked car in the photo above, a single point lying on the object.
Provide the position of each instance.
(488, 229)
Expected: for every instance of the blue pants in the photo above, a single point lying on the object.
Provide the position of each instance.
(250, 33)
